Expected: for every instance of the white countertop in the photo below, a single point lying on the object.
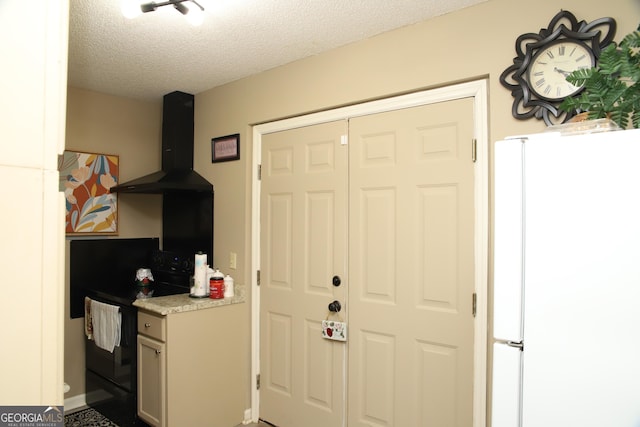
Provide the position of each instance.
(183, 302)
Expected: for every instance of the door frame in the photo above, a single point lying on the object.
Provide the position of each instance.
(474, 89)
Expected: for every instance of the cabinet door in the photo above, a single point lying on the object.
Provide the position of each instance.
(152, 361)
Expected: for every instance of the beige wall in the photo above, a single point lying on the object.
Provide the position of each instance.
(99, 123)
(474, 43)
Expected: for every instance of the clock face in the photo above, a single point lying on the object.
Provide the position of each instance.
(551, 64)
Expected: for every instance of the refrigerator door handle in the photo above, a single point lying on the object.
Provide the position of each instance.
(516, 344)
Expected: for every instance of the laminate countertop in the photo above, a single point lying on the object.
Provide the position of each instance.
(183, 302)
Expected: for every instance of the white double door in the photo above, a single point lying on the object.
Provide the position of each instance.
(385, 203)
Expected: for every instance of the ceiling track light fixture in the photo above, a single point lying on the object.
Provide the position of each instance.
(151, 6)
(192, 10)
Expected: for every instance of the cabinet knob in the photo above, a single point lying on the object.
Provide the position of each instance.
(147, 325)
(158, 351)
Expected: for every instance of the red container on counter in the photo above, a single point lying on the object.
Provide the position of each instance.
(216, 287)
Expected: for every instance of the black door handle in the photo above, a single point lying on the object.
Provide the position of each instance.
(335, 306)
(336, 281)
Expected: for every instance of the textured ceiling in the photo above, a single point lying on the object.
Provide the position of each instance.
(159, 52)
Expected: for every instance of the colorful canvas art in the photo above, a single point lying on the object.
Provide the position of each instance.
(86, 179)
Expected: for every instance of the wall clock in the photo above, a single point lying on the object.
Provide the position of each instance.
(537, 77)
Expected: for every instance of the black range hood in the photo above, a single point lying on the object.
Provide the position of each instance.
(177, 174)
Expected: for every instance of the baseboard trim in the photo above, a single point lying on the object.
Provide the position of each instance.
(75, 402)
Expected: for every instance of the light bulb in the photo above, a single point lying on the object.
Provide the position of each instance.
(130, 8)
(195, 16)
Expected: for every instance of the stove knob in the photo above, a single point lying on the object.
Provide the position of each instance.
(157, 259)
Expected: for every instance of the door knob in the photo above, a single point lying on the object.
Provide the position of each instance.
(335, 306)
(336, 281)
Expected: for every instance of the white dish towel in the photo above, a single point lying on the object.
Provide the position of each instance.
(107, 322)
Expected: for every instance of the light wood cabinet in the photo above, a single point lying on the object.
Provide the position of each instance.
(189, 368)
(152, 381)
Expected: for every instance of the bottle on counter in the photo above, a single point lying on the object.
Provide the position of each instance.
(228, 286)
(216, 285)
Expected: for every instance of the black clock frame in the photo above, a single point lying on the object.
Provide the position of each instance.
(526, 104)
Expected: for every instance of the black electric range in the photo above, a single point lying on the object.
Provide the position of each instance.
(111, 377)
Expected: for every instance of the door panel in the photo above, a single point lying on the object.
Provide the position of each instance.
(303, 245)
(411, 265)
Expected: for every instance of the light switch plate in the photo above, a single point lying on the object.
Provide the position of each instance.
(333, 330)
(233, 260)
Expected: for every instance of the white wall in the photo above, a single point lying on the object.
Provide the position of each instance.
(32, 107)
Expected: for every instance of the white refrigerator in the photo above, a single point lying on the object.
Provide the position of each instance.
(566, 319)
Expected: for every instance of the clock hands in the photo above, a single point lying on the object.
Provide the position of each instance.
(563, 72)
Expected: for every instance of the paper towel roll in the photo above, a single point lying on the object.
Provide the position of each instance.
(200, 275)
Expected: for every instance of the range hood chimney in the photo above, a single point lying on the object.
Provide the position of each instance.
(177, 174)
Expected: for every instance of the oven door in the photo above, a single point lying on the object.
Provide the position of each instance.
(115, 367)
(118, 367)
(111, 377)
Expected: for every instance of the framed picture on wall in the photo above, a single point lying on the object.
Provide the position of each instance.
(86, 180)
(225, 148)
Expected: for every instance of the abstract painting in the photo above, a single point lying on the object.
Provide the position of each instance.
(86, 179)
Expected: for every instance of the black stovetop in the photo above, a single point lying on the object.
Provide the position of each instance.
(171, 273)
(126, 296)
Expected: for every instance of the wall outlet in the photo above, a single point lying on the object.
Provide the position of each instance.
(233, 260)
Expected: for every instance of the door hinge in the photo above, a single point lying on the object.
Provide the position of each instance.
(474, 304)
(258, 382)
(259, 172)
(344, 139)
(258, 278)
(474, 150)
